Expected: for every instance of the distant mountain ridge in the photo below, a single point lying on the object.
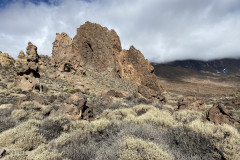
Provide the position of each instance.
(221, 66)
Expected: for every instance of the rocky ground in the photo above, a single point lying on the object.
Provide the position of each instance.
(94, 100)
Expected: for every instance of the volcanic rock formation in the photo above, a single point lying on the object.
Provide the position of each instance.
(98, 49)
(28, 75)
(6, 60)
(220, 114)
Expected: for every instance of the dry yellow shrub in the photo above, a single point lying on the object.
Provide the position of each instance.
(134, 148)
(225, 137)
(24, 136)
(142, 114)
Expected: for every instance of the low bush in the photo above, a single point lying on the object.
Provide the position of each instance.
(134, 148)
(31, 110)
(25, 136)
(186, 116)
(6, 122)
(185, 143)
(19, 114)
(41, 153)
(224, 137)
(142, 114)
(52, 127)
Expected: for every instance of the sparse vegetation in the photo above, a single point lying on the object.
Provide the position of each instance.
(71, 90)
(138, 132)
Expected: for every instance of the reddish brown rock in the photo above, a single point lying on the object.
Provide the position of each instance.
(191, 103)
(62, 48)
(77, 99)
(98, 49)
(220, 114)
(70, 110)
(28, 75)
(75, 108)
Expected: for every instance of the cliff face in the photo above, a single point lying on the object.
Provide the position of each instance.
(98, 49)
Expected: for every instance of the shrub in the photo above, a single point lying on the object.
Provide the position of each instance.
(117, 105)
(142, 114)
(19, 114)
(25, 136)
(186, 116)
(6, 121)
(72, 90)
(134, 148)
(225, 138)
(185, 143)
(41, 153)
(52, 127)
(31, 110)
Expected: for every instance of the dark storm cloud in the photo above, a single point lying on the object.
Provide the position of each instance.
(163, 30)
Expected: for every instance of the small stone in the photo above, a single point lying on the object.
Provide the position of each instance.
(2, 152)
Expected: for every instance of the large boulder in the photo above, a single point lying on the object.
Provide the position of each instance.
(221, 114)
(74, 107)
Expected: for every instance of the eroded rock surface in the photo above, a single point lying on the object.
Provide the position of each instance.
(6, 60)
(28, 74)
(221, 114)
(98, 49)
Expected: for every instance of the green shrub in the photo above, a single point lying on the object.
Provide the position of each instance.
(72, 90)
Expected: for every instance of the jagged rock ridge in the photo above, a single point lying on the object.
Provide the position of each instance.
(99, 49)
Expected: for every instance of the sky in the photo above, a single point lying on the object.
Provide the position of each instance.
(163, 30)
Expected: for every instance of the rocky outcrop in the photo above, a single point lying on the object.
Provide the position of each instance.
(28, 74)
(62, 48)
(75, 107)
(6, 60)
(191, 103)
(98, 49)
(221, 114)
(21, 55)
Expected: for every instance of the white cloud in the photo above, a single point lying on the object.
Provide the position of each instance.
(163, 30)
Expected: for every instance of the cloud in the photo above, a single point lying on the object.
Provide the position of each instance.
(163, 30)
